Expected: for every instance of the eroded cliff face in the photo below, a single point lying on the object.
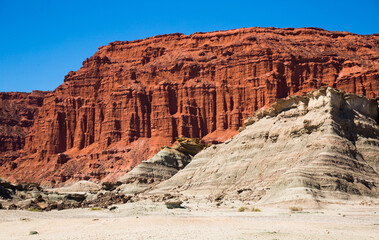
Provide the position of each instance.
(133, 97)
(319, 148)
(17, 114)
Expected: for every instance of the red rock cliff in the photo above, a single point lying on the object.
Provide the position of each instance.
(130, 98)
(17, 113)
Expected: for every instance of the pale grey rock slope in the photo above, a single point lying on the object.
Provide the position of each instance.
(320, 148)
(162, 166)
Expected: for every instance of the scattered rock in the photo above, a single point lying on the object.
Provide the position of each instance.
(112, 208)
(42, 205)
(110, 186)
(79, 197)
(12, 207)
(173, 204)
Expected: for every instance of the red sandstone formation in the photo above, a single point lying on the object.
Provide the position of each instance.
(130, 98)
(17, 113)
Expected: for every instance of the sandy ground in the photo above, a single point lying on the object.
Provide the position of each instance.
(149, 221)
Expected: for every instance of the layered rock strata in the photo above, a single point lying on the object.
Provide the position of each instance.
(134, 97)
(162, 166)
(17, 114)
(319, 148)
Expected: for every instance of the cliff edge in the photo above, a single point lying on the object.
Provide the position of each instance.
(132, 97)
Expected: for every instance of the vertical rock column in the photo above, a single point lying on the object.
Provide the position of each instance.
(161, 119)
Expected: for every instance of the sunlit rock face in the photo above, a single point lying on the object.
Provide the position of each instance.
(319, 148)
(17, 114)
(162, 166)
(134, 97)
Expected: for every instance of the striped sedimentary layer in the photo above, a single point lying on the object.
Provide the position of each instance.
(319, 148)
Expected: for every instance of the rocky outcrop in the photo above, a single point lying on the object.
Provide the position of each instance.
(162, 166)
(32, 197)
(319, 148)
(17, 114)
(131, 98)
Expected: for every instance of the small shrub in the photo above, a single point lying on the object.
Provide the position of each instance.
(296, 209)
(95, 209)
(33, 232)
(254, 209)
(242, 209)
(34, 210)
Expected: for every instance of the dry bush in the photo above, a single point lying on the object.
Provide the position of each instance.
(254, 209)
(242, 209)
(296, 209)
(34, 210)
(95, 209)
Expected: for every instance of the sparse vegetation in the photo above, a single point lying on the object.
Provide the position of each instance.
(296, 209)
(95, 209)
(242, 209)
(254, 209)
(34, 210)
(245, 209)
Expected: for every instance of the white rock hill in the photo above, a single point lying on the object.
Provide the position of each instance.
(322, 148)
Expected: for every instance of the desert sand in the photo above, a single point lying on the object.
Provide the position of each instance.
(155, 221)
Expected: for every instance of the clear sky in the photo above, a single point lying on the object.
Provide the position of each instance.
(41, 41)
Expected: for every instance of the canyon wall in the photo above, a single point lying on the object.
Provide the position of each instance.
(17, 114)
(131, 98)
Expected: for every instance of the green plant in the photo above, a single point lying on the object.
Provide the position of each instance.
(254, 209)
(34, 209)
(296, 209)
(242, 209)
(95, 209)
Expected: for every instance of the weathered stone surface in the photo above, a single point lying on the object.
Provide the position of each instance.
(17, 114)
(173, 204)
(319, 148)
(134, 97)
(82, 194)
(162, 166)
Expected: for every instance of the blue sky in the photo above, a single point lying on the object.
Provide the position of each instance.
(41, 41)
